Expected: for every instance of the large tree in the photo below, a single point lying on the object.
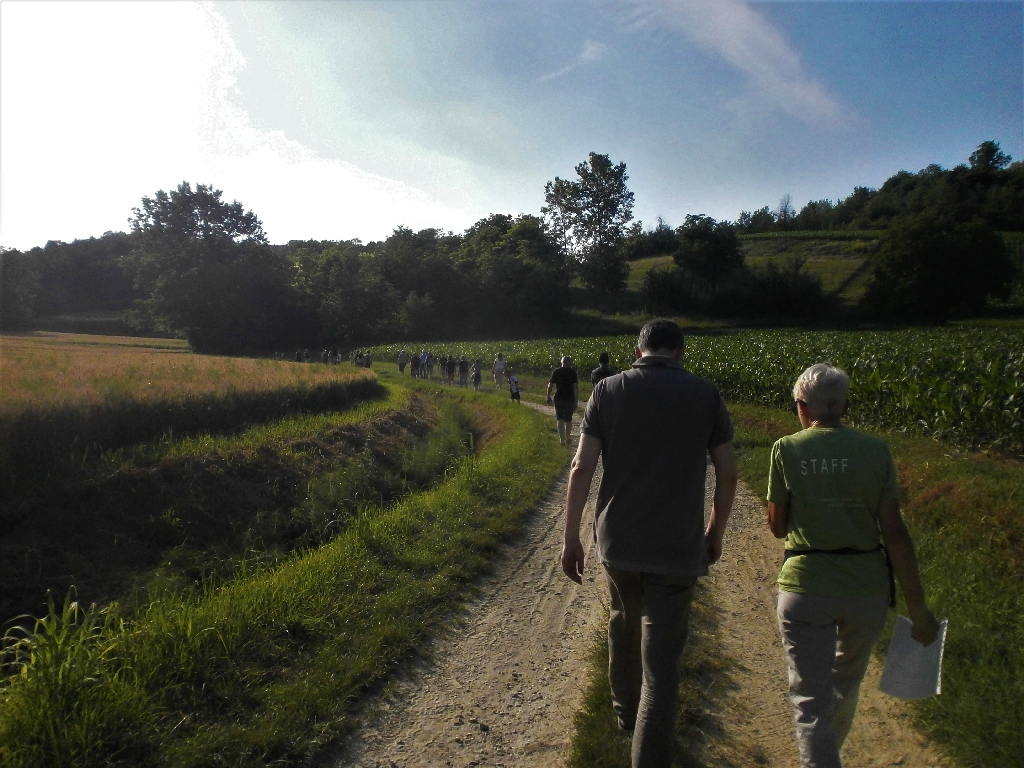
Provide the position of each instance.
(589, 217)
(928, 268)
(209, 273)
(19, 284)
(989, 157)
(708, 249)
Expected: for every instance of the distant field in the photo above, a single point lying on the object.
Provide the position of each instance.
(50, 369)
(841, 265)
(64, 397)
(638, 270)
(847, 277)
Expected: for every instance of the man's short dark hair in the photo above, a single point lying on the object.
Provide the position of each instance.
(661, 333)
(603, 359)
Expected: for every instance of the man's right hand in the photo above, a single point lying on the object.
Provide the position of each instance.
(926, 628)
(572, 560)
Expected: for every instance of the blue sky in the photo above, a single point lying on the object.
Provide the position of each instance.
(345, 119)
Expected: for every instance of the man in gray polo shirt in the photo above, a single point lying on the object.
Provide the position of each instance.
(653, 427)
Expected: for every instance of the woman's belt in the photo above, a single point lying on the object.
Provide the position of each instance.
(852, 551)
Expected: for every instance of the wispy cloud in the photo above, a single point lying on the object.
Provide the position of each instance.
(592, 51)
(749, 41)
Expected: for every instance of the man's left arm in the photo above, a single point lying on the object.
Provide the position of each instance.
(723, 457)
(584, 464)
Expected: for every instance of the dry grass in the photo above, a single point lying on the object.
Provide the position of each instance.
(66, 398)
(46, 370)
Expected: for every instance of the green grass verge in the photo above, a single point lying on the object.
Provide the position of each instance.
(191, 509)
(964, 511)
(265, 668)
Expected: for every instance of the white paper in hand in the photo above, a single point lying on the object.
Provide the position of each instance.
(913, 671)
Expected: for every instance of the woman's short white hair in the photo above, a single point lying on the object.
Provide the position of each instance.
(824, 388)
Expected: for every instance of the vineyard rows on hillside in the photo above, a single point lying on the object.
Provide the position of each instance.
(961, 385)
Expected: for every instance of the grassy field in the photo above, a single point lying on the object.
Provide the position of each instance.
(68, 398)
(354, 530)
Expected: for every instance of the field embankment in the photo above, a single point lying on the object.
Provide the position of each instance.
(259, 661)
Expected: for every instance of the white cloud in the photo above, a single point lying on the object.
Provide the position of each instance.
(592, 51)
(748, 41)
(102, 103)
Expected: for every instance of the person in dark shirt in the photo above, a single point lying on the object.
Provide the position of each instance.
(566, 385)
(463, 371)
(652, 428)
(603, 371)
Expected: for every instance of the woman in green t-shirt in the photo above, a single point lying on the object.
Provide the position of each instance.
(833, 496)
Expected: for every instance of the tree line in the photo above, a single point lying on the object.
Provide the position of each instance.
(989, 187)
(197, 266)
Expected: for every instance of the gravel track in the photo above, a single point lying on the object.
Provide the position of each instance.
(500, 686)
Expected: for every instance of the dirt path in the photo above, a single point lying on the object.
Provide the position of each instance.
(500, 687)
(754, 718)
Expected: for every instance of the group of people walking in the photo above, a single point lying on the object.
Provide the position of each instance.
(421, 366)
(832, 495)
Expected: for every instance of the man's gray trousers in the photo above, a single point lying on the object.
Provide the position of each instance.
(647, 628)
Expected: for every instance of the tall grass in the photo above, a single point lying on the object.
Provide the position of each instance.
(197, 509)
(265, 669)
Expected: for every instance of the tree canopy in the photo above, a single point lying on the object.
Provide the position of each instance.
(708, 249)
(589, 217)
(209, 273)
(930, 268)
(990, 188)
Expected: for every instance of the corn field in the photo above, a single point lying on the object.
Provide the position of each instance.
(960, 385)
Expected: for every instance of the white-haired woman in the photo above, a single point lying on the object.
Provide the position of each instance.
(833, 496)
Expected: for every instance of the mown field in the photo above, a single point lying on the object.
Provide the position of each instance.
(271, 542)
